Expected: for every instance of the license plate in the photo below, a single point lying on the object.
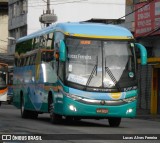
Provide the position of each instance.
(103, 111)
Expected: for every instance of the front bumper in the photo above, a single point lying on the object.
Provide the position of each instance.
(74, 108)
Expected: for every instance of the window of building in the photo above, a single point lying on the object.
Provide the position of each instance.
(24, 7)
(14, 10)
(23, 31)
(12, 34)
(17, 9)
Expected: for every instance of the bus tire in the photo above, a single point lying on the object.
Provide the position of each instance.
(24, 113)
(114, 121)
(0, 103)
(55, 118)
(33, 114)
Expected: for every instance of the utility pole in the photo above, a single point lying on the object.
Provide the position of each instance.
(48, 17)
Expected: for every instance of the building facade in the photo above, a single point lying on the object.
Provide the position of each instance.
(17, 22)
(144, 21)
(3, 25)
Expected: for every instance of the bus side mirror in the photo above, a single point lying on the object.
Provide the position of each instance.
(143, 53)
(62, 51)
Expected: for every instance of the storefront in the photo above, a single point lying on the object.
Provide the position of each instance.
(147, 32)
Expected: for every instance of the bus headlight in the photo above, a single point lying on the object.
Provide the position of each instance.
(72, 108)
(131, 99)
(129, 111)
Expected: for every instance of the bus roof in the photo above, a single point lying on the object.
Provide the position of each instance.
(84, 29)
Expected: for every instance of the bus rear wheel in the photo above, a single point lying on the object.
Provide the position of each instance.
(24, 113)
(33, 114)
(55, 118)
(114, 121)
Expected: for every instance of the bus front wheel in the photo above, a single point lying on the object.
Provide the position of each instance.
(55, 118)
(114, 121)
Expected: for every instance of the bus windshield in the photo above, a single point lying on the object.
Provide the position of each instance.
(2, 79)
(3, 76)
(116, 56)
(83, 56)
(99, 63)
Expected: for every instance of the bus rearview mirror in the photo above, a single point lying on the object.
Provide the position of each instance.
(62, 51)
(143, 53)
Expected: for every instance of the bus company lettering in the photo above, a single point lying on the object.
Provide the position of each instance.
(82, 57)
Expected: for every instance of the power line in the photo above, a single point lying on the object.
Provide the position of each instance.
(58, 3)
(105, 3)
(152, 21)
(55, 1)
(86, 2)
(134, 11)
(50, 4)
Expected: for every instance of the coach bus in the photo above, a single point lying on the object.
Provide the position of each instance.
(3, 82)
(76, 71)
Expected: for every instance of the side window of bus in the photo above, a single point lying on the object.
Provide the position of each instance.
(33, 43)
(32, 59)
(47, 56)
(57, 37)
(42, 41)
(43, 56)
(49, 38)
(16, 62)
(36, 43)
(27, 61)
(21, 62)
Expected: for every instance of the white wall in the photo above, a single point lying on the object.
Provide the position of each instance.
(75, 11)
(3, 32)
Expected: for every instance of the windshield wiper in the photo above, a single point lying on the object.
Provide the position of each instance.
(91, 75)
(112, 77)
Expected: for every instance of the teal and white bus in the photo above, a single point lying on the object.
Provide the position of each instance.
(3, 82)
(77, 71)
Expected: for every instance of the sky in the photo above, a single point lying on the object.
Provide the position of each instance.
(75, 10)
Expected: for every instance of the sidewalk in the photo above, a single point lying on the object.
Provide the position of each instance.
(146, 115)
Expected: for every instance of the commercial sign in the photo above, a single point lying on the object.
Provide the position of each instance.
(147, 19)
